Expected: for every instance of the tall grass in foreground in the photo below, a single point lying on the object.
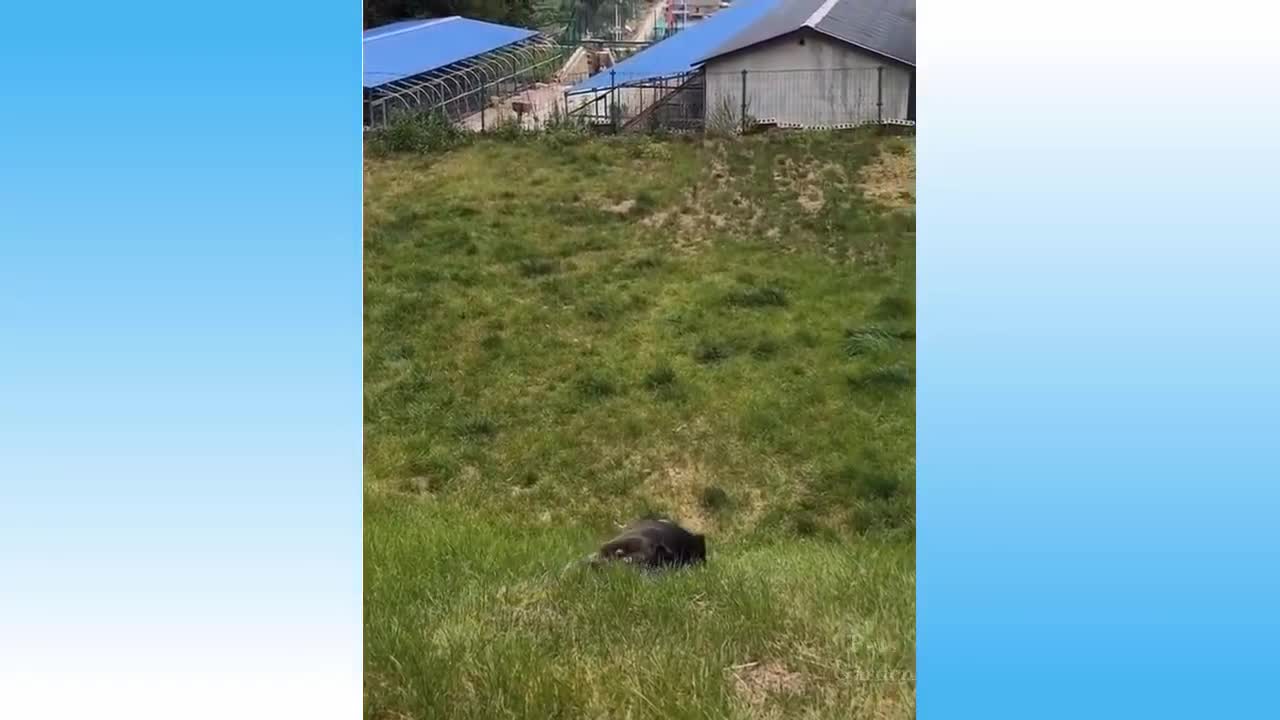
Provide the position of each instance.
(472, 617)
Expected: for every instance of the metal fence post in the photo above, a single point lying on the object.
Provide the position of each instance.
(484, 102)
(615, 109)
(880, 94)
(911, 99)
(743, 117)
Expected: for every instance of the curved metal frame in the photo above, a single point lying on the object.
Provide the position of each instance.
(455, 85)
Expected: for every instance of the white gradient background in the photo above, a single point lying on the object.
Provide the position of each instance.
(1097, 392)
(180, 360)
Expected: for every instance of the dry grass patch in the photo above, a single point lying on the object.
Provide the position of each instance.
(807, 181)
(756, 684)
(620, 208)
(890, 179)
(677, 488)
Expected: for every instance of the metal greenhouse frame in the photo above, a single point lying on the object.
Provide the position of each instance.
(463, 88)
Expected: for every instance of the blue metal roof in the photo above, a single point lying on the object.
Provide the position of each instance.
(409, 47)
(679, 53)
(398, 25)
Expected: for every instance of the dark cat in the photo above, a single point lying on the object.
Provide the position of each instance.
(653, 543)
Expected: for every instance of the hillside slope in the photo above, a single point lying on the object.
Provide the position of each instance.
(565, 334)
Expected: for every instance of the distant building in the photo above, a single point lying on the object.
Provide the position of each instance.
(682, 14)
(807, 63)
(697, 9)
(820, 63)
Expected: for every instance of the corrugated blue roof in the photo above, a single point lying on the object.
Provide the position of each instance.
(398, 25)
(681, 52)
(409, 47)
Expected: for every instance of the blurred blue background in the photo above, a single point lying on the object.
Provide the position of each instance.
(180, 368)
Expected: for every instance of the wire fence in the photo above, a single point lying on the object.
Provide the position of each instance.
(701, 101)
(826, 98)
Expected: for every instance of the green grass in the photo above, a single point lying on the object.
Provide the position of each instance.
(561, 337)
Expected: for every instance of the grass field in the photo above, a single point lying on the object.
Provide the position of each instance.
(564, 334)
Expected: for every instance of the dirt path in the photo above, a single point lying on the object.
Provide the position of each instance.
(647, 21)
(542, 98)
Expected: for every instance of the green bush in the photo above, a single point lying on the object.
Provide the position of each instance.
(415, 133)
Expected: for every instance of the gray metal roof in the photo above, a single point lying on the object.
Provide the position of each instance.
(884, 27)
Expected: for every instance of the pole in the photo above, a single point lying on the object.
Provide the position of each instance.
(615, 109)
(911, 99)
(743, 117)
(484, 102)
(880, 93)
